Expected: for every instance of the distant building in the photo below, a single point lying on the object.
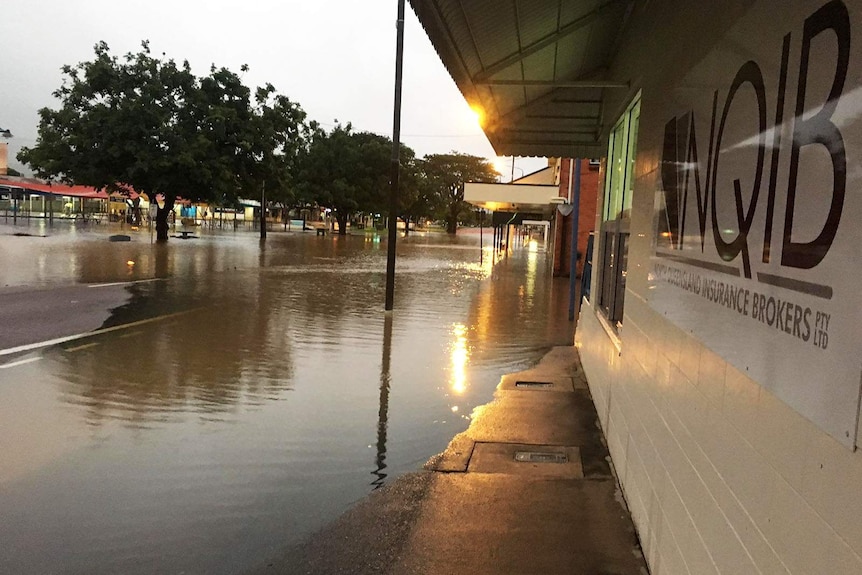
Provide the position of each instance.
(4, 158)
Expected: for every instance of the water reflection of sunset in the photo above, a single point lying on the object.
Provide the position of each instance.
(460, 356)
(532, 265)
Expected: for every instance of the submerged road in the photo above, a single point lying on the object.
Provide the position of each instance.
(208, 442)
(33, 316)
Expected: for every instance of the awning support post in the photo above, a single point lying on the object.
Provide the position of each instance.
(573, 257)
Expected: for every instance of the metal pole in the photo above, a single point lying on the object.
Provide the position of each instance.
(481, 249)
(573, 258)
(396, 149)
(263, 211)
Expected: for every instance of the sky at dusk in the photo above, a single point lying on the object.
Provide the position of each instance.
(335, 57)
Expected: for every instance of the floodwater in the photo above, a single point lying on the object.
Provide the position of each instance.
(268, 395)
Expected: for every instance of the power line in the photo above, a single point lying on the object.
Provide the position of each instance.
(419, 135)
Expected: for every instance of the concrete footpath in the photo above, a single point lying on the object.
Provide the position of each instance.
(527, 489)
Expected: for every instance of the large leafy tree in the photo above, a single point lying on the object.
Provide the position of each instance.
(447, 174)
(418, 196)
(149, 124)
(347, 171)
(118, 125)
(277, 136)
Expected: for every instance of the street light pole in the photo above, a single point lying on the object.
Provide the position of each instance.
(396, 149)
(512, 179)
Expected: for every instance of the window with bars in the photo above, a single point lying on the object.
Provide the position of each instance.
(616, 213)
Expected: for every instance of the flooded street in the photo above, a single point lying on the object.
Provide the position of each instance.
(245, 393)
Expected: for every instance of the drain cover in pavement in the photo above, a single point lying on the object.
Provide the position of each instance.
(534, 384)
(525, 460)
(540, 457)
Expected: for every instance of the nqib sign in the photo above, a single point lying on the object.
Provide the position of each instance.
(759, 215)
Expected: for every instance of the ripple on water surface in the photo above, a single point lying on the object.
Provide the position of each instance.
(279, 396)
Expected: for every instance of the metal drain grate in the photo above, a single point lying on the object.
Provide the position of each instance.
(534, 384)
(540, 457)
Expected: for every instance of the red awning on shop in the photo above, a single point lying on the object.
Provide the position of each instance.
(30, 186)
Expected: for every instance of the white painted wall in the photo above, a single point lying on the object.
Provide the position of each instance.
(720, 474)
(543, 177)
(507, 194)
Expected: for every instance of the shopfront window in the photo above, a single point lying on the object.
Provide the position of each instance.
(619, 185)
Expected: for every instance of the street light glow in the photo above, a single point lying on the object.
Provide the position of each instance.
(478, 115)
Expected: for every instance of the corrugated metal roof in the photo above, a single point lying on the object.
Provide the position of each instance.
(36, 187)
(535, 67)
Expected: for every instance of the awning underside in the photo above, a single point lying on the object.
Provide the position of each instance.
(536, 68)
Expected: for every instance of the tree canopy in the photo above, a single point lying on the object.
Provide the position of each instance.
(147, 123)
(348, 172)
(446, 175)
(150, 124)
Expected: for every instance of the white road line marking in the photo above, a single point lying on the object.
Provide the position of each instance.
(85, 346)
(20, 362)
(50, 342)
(124, 283)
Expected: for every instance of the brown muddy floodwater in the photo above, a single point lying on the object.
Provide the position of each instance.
(269, 395)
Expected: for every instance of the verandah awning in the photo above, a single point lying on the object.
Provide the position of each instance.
(537, 69)
(31, 187)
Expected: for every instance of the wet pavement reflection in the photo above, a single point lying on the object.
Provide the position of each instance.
(249, 393)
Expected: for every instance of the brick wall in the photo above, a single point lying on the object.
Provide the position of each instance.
(586, 219)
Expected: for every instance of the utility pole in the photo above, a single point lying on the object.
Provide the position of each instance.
(396, 162)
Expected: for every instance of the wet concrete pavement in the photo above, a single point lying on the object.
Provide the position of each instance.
(477, 509)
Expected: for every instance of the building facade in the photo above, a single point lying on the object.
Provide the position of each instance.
(587, 182)
(721, 337)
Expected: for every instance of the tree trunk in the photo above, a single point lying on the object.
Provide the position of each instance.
(162, 214)
(452, 223)
(342, 223)
(136, 211)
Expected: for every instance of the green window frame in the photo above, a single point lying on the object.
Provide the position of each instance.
(616, 213)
